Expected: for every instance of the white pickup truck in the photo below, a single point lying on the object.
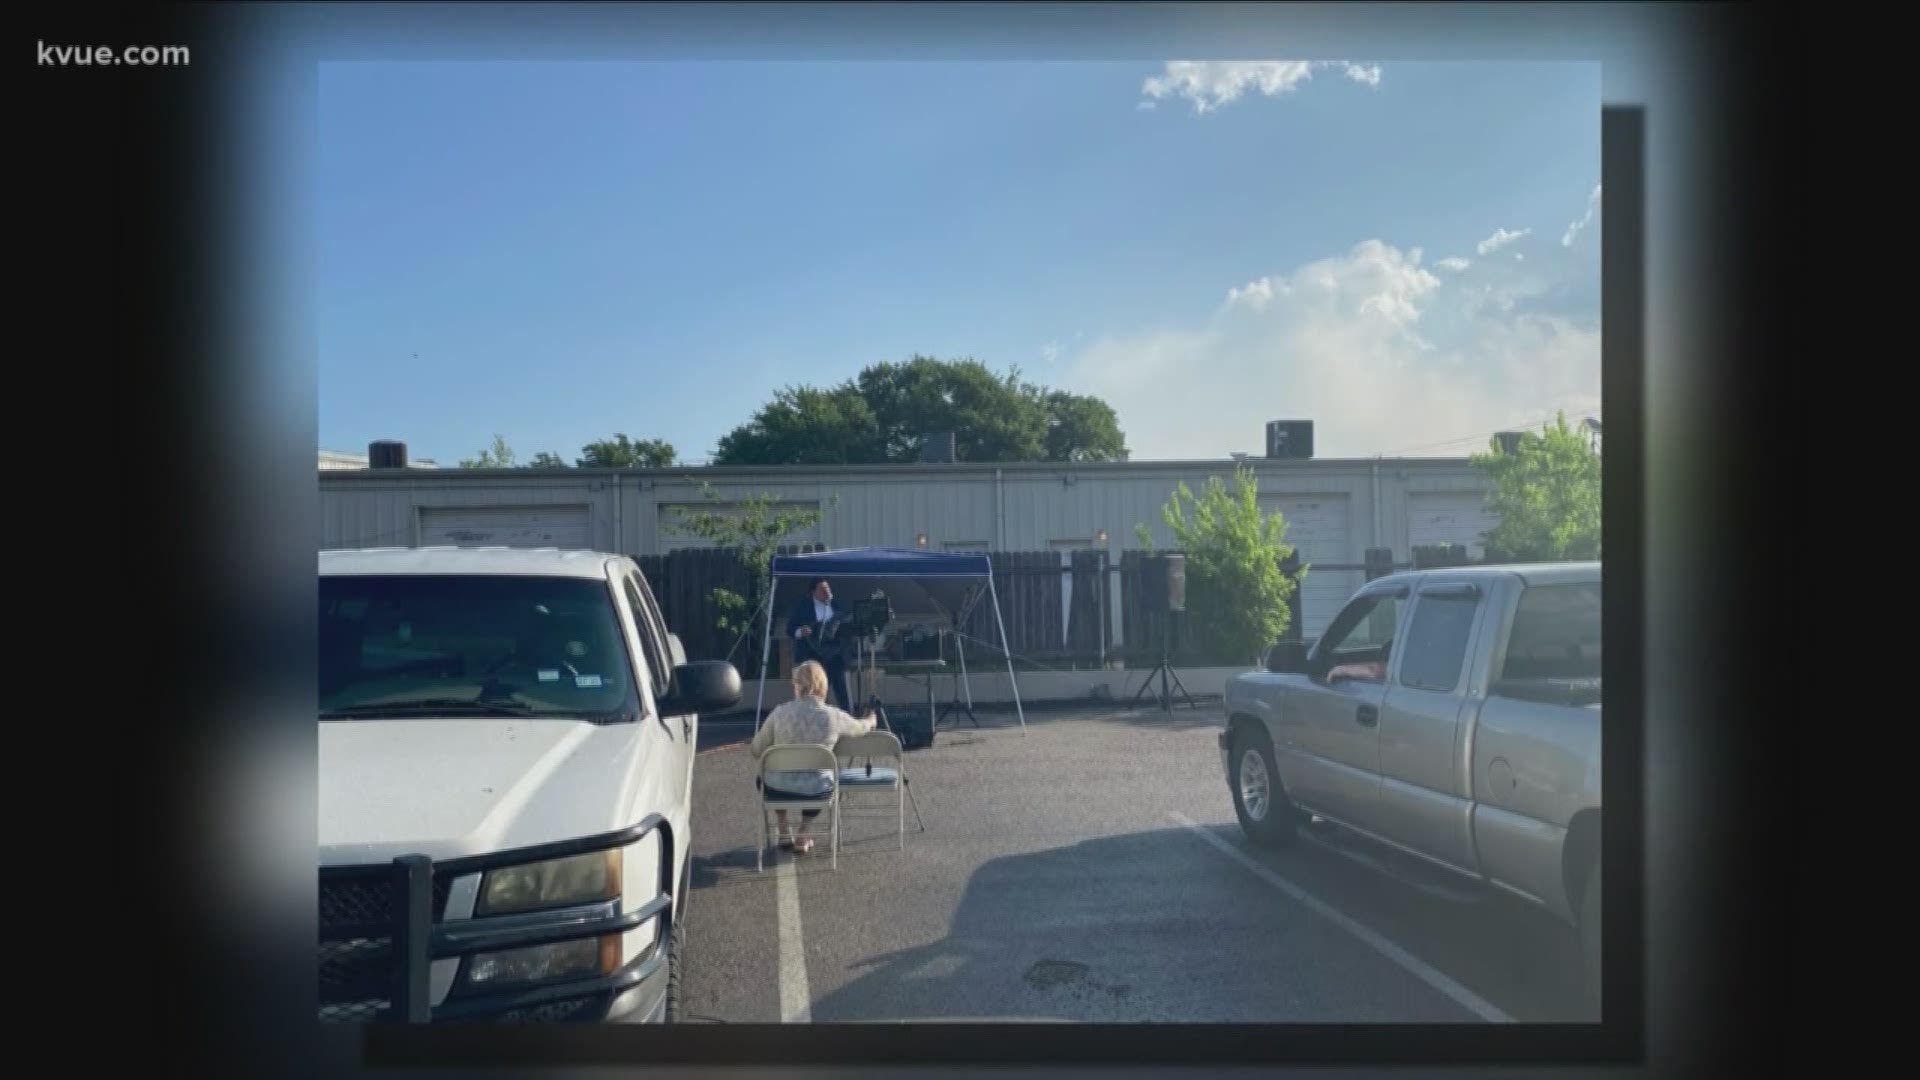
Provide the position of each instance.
(506, 758)
(1453, 714)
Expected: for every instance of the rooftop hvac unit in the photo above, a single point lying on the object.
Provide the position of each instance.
(936, 448)
(386, 454)
(1290, 439)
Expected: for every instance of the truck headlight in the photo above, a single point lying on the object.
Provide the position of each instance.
(586, 957)
(580, 879)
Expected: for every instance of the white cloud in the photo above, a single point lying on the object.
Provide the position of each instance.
(1210, 84)
(1573, 228)
(1500, 238)
(1378, 351)
(1453, 265)
(1254, 294)
(1049, 352)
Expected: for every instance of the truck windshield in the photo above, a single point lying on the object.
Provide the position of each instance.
(445, 645)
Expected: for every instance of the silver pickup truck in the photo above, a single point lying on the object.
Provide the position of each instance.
(1453, 714)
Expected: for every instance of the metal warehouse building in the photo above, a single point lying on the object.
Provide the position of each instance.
(1335, 509)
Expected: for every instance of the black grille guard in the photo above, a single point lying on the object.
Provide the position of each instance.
(417, 941)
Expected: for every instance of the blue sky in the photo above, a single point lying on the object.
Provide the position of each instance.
(558, 251)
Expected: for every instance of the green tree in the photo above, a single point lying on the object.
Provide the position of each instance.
(498, 456)
(620, 452)
(1082, 428)
(884, 414)
(992, 417)
(547, 460)
(803, 425)
(1546, 494)
(1234, 551)
(754, 528)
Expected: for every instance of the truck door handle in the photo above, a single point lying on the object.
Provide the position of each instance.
(1368, 715)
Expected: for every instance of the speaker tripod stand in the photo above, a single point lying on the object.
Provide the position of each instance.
(870, 686)
(1164, 669)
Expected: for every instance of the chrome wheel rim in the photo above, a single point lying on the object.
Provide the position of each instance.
(1255, 787)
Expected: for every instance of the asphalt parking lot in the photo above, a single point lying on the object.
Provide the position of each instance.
(1089, 869)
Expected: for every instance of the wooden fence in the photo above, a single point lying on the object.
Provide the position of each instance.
(683, 582)
(1055, 614)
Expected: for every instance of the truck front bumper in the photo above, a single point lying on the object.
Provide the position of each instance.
(377, 963)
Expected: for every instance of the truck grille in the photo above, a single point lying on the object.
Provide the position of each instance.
(358, 973)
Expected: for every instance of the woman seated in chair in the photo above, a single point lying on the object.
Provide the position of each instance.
(806, 719)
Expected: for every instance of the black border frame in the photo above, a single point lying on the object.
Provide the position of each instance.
(139, 300)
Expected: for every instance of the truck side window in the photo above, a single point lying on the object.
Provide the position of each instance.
(650, 639)
(1436, 647)
(658, 621)
(1556, 634)
(1363, 635)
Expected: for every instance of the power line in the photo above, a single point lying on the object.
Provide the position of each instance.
(1469, 438)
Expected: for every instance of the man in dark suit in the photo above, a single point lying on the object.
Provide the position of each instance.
(805, 624)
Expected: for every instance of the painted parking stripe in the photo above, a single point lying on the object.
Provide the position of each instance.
(1460, 995)
(796, 1000)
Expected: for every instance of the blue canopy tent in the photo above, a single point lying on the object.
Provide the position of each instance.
(943, 583)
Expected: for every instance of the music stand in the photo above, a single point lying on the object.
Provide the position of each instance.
(870, 679)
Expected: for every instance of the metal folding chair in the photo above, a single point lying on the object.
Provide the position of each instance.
(797, 758)
(857, 754)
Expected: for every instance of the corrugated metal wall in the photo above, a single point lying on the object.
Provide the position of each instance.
(1025, 509)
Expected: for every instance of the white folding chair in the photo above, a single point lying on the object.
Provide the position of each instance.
(857, 754)
(797, 758)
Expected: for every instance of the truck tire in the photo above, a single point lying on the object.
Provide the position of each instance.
(1590, 940)
(676, 953)
(683, 896)
(1267, 816)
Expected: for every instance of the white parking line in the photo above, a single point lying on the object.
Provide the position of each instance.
(1461, 996)
(796, 1000)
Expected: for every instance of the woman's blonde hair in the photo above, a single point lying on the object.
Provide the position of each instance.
(810, 680)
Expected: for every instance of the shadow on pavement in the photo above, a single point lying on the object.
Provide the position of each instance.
(1035, 937)
(1147, 927)
(1153, 927)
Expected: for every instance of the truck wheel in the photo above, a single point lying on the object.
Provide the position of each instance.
(1260, 801)
(675, 961)
(1590, 940)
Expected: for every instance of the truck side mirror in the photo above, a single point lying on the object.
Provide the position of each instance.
(701, 687)
(1287, 658)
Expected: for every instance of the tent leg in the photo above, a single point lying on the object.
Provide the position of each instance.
(966, 682)
(1018, 708)
(766, 647)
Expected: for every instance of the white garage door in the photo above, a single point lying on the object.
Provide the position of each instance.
(670, 536)
(506, 526)
(1449, 517)
(1317, 527)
